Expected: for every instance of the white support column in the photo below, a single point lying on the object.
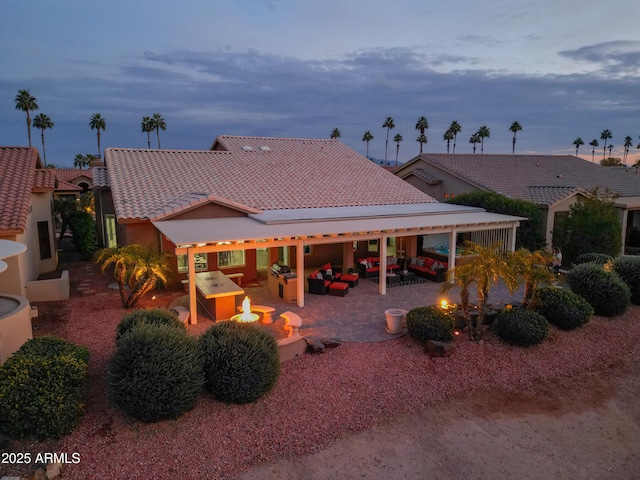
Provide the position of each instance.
(625, 221)
(452, 248)
(193, 301)
(512, 239)
(300, 272)
(382, 250)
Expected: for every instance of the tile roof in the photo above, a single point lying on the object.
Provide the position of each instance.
(256, 172)
(100, 178)
(17, 181)
(64, 186)
(426, 176)
(45, 181)
(543, 179)
(70, 174)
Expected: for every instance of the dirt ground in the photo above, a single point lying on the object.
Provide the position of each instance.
(576, 428)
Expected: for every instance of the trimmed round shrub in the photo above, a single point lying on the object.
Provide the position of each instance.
(153, 316)
(241, 361)
(628, 269)
(155, 372)
(50, 346)
(603, 289)
(430, 323)
(597, 258)
(521, 327)
(41, 395)
(563, 308)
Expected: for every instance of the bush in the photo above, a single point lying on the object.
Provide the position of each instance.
(518, 326)
(563, 308)
(41, 395)
(430, 323)
(628, 269)
(241, 361)
(83, 227)
(597, 258)
(155, 372)
(153, 316)
(604, 290)
(49, 347)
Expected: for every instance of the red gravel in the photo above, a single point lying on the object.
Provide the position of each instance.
(318, 398)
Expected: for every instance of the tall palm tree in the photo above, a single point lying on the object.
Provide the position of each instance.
(147, 127)
(42, 122)
(448, 136)
(26, 102)
(474, 140)
(577, 142)
(422, 124)
(628, 143)
(455, 128)
(534, 269)
(335, 134)
(514, 128)
(483, 132)
(98, 123)
(397, 139)
(367, 137)
(158, 124)
(389, 125)
(422, 138)
(594, 144)
(610, 147)
(605, 135)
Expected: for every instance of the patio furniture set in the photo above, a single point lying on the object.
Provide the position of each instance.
(328, 280)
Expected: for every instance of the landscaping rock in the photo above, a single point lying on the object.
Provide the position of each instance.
(314, 345)
(439, 349)
(331, 342)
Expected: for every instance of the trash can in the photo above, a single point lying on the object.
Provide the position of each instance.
(395, 319)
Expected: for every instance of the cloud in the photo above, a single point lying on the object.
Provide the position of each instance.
(620, 56)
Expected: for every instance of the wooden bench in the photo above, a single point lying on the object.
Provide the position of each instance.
(266, 312)
(292, 322)
(238, 275)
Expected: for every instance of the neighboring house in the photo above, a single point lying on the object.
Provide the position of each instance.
(26, 211)
(81, 179)
(251, 201)
(553, 182)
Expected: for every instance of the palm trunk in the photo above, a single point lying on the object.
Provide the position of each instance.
(44, 153)
(122, 271)
(29, 127)
(140, 291)
(529, 289)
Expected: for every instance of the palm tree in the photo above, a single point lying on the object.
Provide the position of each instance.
(448, 136)
(397, 139)
(594, 144)
(335, 134)
(534, 269)
(628, 143)
(514, 128)
(610, 147)
(42, 122)
(367, 137)
(483, 132)
(26, 102)
(474, 140)
(389, 125)
(422, 124)
(455, 128)
(98, 123)
(81, 161)
(147, 127)
(577, 142)
(422, 139)
(605, 135)
(158, 124)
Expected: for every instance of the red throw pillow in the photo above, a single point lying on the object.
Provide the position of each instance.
(428, 262)
(326, 266)
(313, 275)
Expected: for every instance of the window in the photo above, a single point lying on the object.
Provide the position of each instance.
(372, 246)
(200, 261)
(232, 258)
(44, 240)
(307, 249)
(110, 227)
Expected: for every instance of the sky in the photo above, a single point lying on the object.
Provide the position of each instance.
(300, 68)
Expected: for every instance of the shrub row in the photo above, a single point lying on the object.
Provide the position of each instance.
(605, 291)
(42, 388)
(430, 323)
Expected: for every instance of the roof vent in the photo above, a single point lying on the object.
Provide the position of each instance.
(264, 148)
(247, 148)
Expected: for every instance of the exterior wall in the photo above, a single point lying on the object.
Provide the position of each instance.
(104, 206)
(42, 211)
(55, 289)
(562, 206)
(450, 185)
(323, 253)
(15, 326)
(210, 210)
(12, 280)
(142, 233)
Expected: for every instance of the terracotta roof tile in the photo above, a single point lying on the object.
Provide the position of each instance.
(256, 172)
(45, 181)
(17, 179)
(100, 178)
(64, 186)
(70, 174)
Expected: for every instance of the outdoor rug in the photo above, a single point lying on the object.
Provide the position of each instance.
(399, 284)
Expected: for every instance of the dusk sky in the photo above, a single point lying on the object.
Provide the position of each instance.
(283, 68)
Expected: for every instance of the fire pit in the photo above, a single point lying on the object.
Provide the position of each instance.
(246, 316)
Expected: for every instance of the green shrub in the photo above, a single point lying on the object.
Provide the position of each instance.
(628, 269)
(521, 327)
(241, 361)
(83, 227)
(563, 308)
(49, 346)
(604, 290)
(597, 258)
(430, 323)
(154, 316)
(155, 372)
(41, 395)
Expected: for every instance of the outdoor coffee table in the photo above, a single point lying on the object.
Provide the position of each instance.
(393, 279)
(407, 276)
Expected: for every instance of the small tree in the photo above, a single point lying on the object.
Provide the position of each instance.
(534, 269)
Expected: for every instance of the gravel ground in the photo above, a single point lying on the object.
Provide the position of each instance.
(318, 399)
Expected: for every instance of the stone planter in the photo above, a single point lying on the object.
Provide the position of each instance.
(395, 320)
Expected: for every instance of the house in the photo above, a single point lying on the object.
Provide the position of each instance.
(250, 202)
(553, 182)
(74, 179)
(26, 216)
